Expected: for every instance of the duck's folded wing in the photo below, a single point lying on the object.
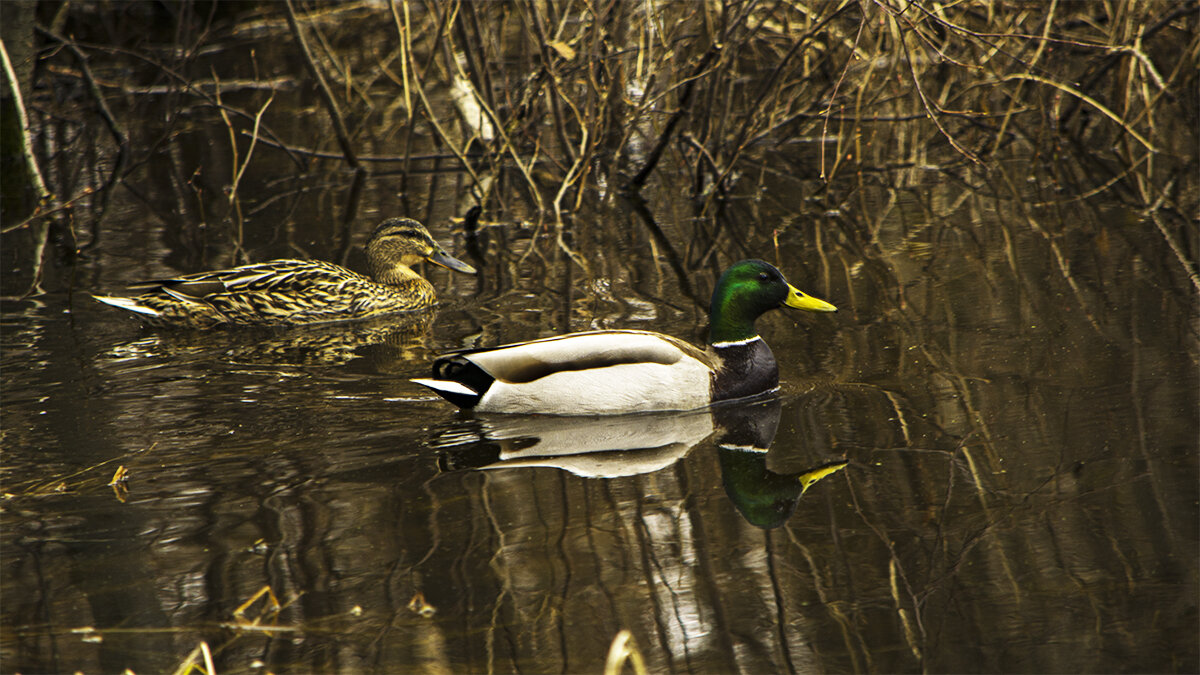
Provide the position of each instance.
(529, 361)
(274, 276)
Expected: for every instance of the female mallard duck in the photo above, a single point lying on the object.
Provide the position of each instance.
(294, 292)
(624, 371)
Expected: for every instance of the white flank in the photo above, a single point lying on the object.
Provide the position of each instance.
(445, 385)
(624, 388)
(126, 303)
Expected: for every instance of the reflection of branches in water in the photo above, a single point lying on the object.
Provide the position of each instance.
(540, 108)
(575, 95)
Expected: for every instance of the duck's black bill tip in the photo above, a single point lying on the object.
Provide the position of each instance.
(451, 263)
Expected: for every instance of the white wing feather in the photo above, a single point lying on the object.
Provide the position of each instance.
(128, 304)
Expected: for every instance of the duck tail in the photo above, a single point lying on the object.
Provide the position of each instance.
(130, 304)
(455, 392)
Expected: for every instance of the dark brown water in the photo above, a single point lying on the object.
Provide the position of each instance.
(985, 462)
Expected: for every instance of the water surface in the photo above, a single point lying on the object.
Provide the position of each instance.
(985, 461)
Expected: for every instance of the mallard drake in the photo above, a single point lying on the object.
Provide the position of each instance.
(625, 371)
(294, 292)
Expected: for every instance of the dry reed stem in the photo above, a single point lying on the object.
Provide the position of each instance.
(685, 97)
(331, 106)
(1090, 101)
(934, 115)
(18, 102)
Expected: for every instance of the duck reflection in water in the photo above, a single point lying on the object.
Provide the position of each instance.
(617, 446)
(765, 498)
(390, 343)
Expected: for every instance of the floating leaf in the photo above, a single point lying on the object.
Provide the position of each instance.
(120, 476)
(418, 605)
(118, 484)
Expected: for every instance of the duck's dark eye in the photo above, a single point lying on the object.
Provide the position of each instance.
(763, 276)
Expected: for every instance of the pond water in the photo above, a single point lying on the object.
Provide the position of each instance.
(985, 461)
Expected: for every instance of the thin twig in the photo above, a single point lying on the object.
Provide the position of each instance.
(934, 116)
(776, 75)
(534, 17)
(339, 123)
(320, 154)
(1189, 266)
(432, 116)
(685, 98)
(836, 86)
(187, 84)
(114, 127)
(1086, 99)
(18, 102)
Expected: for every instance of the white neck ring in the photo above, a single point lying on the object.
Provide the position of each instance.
(737, 343)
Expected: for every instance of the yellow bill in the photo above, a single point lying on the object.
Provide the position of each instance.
(800, 300)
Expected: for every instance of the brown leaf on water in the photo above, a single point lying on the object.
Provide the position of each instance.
(418, 605)
(118, 484)
(120, 476)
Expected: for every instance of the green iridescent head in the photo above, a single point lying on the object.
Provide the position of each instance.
(746, 291)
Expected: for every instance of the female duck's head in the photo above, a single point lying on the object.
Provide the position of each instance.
(746, 291)
(399, 243)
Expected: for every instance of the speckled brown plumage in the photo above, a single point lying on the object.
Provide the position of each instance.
(295, 292)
